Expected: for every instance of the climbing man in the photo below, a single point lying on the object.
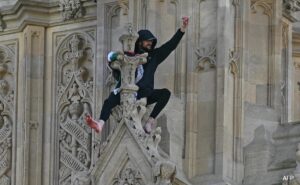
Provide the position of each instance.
(145, 73)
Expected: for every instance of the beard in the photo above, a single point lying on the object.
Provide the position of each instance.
(146, 49)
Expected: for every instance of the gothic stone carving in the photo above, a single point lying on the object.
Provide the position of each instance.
(164, 173)
(5, 145)
(206, 56)
(74, 100)
(6, 112)
(129, 176)
(291, 6)
(267, 5)
(70, 9)
(80, 178)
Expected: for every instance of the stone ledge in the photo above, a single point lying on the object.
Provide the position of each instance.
(16, 17)
(287, 130)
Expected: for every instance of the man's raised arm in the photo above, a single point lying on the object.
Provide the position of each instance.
(164, 51)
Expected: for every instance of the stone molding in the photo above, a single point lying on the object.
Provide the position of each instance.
(15, 18)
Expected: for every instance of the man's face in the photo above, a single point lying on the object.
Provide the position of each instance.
(147, 44)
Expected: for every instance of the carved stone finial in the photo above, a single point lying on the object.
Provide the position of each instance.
(127, 65)
(128, 40)
(130, 29)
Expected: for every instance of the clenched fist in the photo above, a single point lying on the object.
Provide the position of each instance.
(185, 23)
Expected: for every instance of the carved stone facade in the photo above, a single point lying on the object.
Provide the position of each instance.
(7, 109)
(233, 117)
(74, 100)
(71, 9)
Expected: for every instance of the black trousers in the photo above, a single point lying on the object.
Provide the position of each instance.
(158, 96)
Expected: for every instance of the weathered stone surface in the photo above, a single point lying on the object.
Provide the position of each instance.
(233, 117)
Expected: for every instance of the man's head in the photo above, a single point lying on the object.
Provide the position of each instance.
(146, 42)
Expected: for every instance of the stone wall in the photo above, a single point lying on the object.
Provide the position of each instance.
(234, 82)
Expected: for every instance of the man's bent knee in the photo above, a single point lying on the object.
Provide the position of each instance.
(166, 93)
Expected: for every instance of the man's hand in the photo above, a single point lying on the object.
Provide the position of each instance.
(185, 23)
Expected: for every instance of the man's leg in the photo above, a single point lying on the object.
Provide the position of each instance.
(161, 98)
(158, 96)
(112, 101)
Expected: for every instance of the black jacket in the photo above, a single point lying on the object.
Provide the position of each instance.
(155, 56)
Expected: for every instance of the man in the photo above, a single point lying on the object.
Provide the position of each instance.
(145, 43)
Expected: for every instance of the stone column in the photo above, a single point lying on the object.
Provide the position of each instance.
(33, 104)
(127, 65)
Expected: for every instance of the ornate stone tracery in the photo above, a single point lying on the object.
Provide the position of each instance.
(5, 144)
(74, 101)
(7, 86)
